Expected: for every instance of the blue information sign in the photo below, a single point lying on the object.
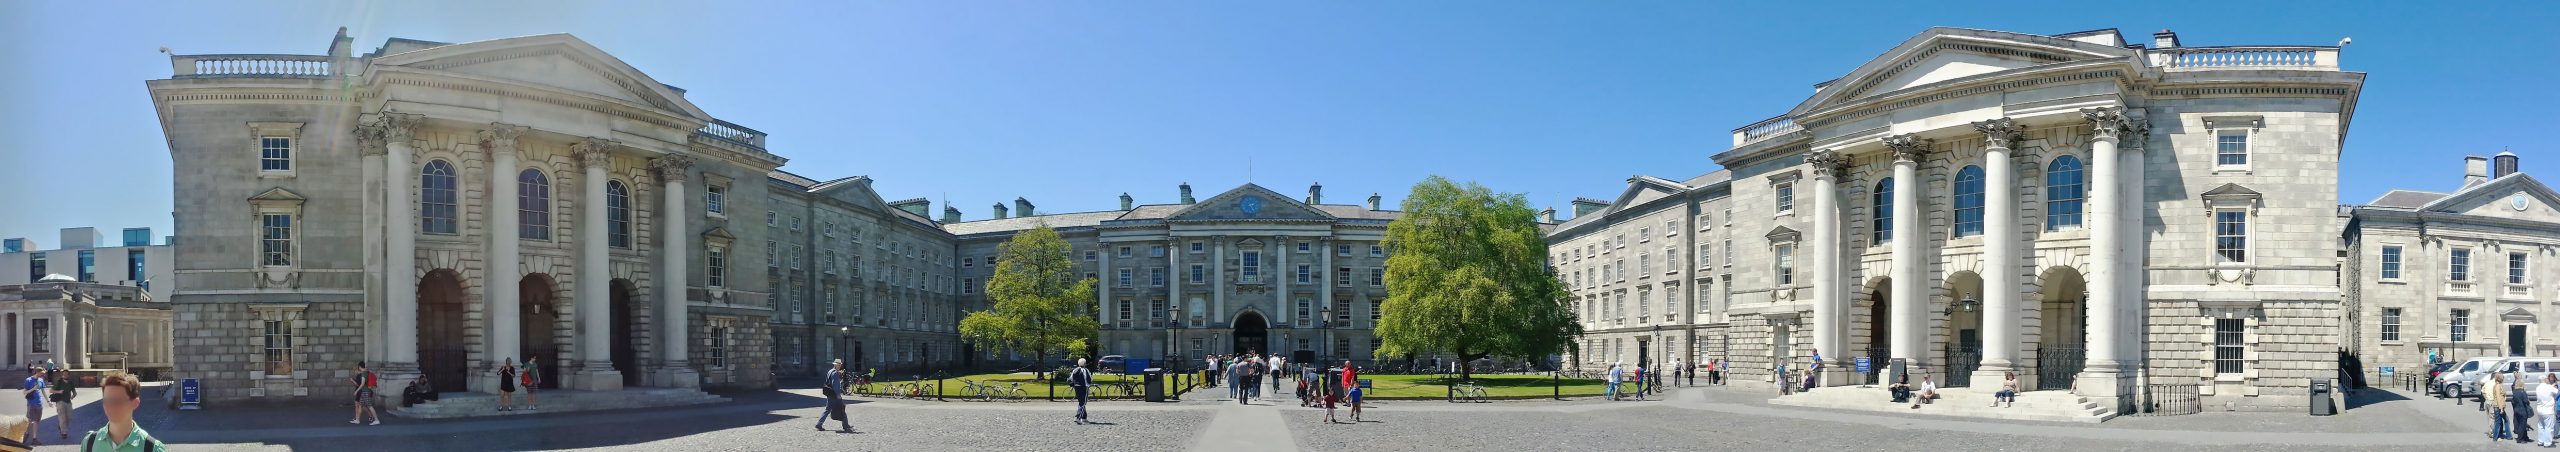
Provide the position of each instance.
(1864, 366)
(1364, 383)
(2386, 371)
(190, 391)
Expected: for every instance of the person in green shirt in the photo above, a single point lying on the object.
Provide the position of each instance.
(119, 395)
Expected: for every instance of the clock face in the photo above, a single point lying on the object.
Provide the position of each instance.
(1252, 205)
(2519, 202)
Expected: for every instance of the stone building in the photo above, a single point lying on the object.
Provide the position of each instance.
(83, 326)
(1644, 271)
(2119, 223)
(440, 209)
(859, 278)
(1247, 270)
(88, 257)
(2454, 273)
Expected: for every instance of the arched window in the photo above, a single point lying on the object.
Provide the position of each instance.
(2063, 193)
(1969, 201)
(617, 208)
(436, 206)
(1883, 211)
(533, 205)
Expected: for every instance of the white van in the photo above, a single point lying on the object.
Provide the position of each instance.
(2464, 380)
(2528, 372)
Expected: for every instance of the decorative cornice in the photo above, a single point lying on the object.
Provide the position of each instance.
(1998, 133)
(592, 152)
(501, 137)
(400, 127)
(670, 167)
(1907, 147)
(2106, 122)
(1826, 163)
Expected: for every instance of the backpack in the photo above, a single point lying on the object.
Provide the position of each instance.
(90, 443)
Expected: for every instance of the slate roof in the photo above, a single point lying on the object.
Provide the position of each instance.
(1055, 220)
(2406, 199)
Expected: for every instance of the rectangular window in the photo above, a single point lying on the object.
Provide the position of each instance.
(968, 262)
(795, 257)
(2228, 349)
(2231, 148)
(89, 266)
(772, 254)
(1198, 273)
(1376, 310)
(1305, 274)
(1377, 251)
(772, 220)
(1786, 261)
(1305, 247)
(1155, 276)
(275, 154)
(1195, 247)
(1728, 251)
(2458, 266)
(2390, 262)
(1342, 311)
(1670, 227)
(715, 268)
(968, 286)
(43, 331)
(1377, 277)
(2460, 330)
(2515, 267)
(1304, 307)
(1155, 251)
(1786, 198)
(1342, 277)
(279, 345)
(1644, 235)
(1706, 255)
(2390, 324)
(2231, 235)
(1090, 255)
(133, 268)
(1125, 309)
(275, 246)
(719, 346)
(1249, 266)
(1124, 277)
(1644, 265)
(137, 236)
(1124, 251)
(35, 266)
(795, 223)
(1343, 250)
(13, 245)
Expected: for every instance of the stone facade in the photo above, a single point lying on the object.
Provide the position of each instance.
(86, 326)
(2122, 221)
(2410, 299)
(1648, 272)
(861, 279)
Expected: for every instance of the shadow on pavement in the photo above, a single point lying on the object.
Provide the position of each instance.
(2367, 397)
(317, 426)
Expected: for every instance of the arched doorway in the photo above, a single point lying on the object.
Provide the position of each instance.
(1963, 346)
(2062, 331)
(539, 313)
(1251, 333)
(625, 358)
(442, 356)
(1875, 322)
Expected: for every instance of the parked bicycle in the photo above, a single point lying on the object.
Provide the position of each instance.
(1467, 391)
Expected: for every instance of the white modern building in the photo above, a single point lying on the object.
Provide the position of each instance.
(87, 256)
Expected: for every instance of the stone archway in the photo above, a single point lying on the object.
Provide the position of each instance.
(1871, 322)
(1962, 346)
(626, 357)
(1252, 334)
(2062, 328)
(538, 311)
(443, 358)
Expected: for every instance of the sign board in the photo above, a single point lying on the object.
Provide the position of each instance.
(2386, 372)
(190, 393)
(1364, 383)
(1865, 366)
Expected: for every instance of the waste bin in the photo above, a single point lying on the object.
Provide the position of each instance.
(1155, 384)
(2320, 394)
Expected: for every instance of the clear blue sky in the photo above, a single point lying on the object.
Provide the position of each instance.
(1072, 103)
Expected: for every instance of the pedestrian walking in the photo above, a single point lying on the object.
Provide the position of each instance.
(1639, 382)
(1082, 380)
(507, 385)
(364, 384)
(119, 394)
(34, 388)
(1612, 384)
(2493, 396)
(1813, 371)
(63, 393)
(1350, 377)
(2519, 409)
(833, 388)
(532, 376)
(2542, 407)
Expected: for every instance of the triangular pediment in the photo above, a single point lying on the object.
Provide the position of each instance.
(854, 190)
(2230, 190)
(1642, 189)
(1943, 53)
(557, 61)
(2516, 196)
(2517, 314)
(1250, 202)
(1781, 234)
(278, 194)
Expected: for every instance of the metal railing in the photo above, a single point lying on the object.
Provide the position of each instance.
(2167, 400)
(2056, 366)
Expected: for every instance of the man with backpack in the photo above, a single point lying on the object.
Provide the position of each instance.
(1082, 380)
(364, 384)
(833, 387)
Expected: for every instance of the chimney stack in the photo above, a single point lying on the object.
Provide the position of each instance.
(1022, 207)
(1373, 201)
(999, 211)
(1126, 201)
(1315, 193)
(2475, 170)
(950, 214)
(1186, 193)
(2502, 165)
(1585, 206)
(2165, 39)
(1549, 214)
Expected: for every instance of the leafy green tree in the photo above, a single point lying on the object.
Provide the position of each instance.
(1468, 276)
(1041, 306)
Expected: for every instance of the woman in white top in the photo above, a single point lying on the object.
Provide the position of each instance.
(2542, 405)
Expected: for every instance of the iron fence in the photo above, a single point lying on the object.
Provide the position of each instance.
(2167, 400)
(1960, 367)
(2057, 365)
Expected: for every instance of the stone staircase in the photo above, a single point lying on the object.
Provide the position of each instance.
(2048, 406)
(470, 404)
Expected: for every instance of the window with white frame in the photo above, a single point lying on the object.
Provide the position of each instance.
(2390, 262)
(2390, 324)
(437, 205)
(278, 329)
(1306, 273)
(1155, 276)
(1381, 251)
(1969, 201)
(618, 214)
(968, 262)
(275, 242)
(2458, 265)
(1706, 254)
(1786, 264)
(2229, 349)
(1249, 266)
(968, 286)
(1125, 309)
(2460, 328)
(533, 205)
(719, 343)
(1377, 277)
(1124, 251)
(2515, 267)
(1377, 310)
(2231, 236)
(716, 267)
(1644, 265)
(1305, 306)
(1124, 277)
(1644, 235)
(715, 199)
(1199, 273)
(772, 254)
(2063, 192)
(275, 153)
(1705, 220)
(2231, 148)
(1155, 251)
(1881, 214)
(1786, 197)
(1670, 259)
(1342, 277)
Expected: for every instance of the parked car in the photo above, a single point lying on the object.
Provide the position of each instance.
(2436, 369)
(2464, 379)
(1112, 364)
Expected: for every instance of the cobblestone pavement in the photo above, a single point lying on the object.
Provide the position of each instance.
(1691, 419)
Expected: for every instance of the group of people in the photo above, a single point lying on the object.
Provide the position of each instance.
(1621, 375)
(1244, 374)
(2508, 403)
(49, 385)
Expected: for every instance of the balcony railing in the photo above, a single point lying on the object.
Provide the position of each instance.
(1764, 129)
(2247, 57)
(250, 65)
(732, 132)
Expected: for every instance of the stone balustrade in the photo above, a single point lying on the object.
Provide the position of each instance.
(251, 65)
(1764, 129)
(732, 132)
(2246, 57)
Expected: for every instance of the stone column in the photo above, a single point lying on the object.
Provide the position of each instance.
(595, 332)
(2133, 306)
(1217, 282)
(1910, 294)
(1173, 293)
(675, 238)
(2102, 377)
(1828, 329)
(1324, 286)
(395, 134)
(1281, 303)
(2000, 244)
(504, 273)
(1102, 295)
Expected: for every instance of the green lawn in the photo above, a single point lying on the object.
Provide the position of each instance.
(1498, 386)
(956, 386)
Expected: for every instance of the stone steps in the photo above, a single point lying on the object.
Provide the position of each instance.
(2049, 406)
(472, 404)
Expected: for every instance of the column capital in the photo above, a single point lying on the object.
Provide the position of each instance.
(1907, 148)
(1998, 133)
(592, 152)
(670, 167)
(1826, 163)
(2106, 122)
(371, 138)
(2136, 135)
(501, 137)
